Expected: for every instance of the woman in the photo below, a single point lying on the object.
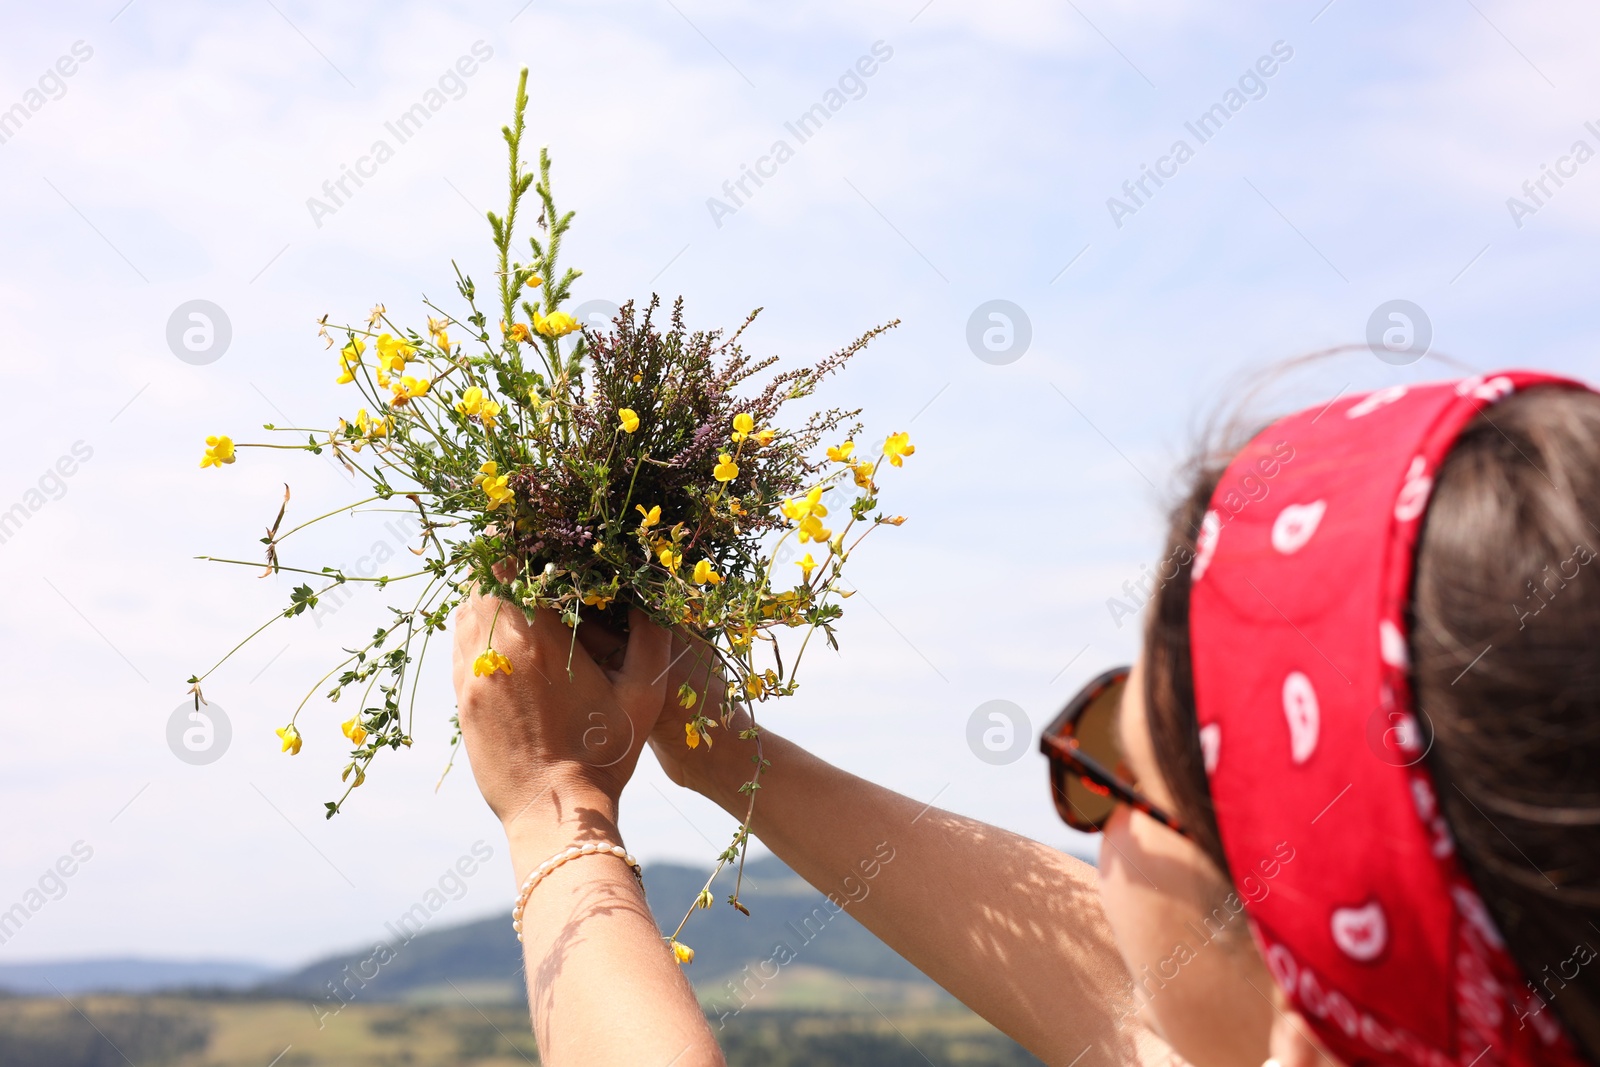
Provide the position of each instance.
(1350, 794)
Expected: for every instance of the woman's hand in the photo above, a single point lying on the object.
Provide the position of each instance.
(552, 744)
(694, 664)
(559, 723)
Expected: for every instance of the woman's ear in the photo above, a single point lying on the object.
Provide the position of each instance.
(1290, 1042)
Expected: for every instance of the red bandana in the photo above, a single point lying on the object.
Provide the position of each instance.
(1302, 577)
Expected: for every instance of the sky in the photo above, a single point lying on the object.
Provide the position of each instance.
(1336, 157)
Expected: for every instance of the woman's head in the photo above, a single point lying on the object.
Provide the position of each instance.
(1506, 674)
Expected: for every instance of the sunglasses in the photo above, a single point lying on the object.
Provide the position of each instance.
(1087, 773)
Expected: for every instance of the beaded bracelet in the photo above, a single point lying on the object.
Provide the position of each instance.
(571, 852)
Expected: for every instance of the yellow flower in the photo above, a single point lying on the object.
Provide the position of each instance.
(475, 402)
(682, 953)
(349, 360)
(371, 427)
(436, 327)
(353, 730)
(557, 324)
(291, 739)
(842, 453)
(595, 600)
(490, 661)
(442, 339)
(755, 685)
(368, 428)
(704, 574)
(219, 450)
(810, 504)
(783, 602)
(498, 492)
(628, 419)
(742, 425)
(808, 511)
(726, 469)
(519, 332)
(393, 353)
(763, 437)
(807, 565)
(409, 388)
(811, 529)
(863, 473)
(670, 558)
(692, 735)
(651, 517)
(494, 485)
(898, 446)
(534, 281)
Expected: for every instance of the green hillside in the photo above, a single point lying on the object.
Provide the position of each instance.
(101, 1031)
(833, 994)
(816, 942)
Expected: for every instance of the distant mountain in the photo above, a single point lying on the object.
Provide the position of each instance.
(823, 954)
(129, 975)
(790, 927)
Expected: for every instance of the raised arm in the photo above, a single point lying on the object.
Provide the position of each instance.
(1009, 926)
(550, 754)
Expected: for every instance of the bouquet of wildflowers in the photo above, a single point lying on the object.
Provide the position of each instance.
(639, 466)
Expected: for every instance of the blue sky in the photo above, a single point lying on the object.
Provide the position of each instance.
(974, 164)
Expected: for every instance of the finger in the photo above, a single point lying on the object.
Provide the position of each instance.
(603, 643)
(553, 643)
(506, 569)
(464, 641)
(469, 602)
(649, 654)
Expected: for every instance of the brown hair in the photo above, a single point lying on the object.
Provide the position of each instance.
(1505, 643)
